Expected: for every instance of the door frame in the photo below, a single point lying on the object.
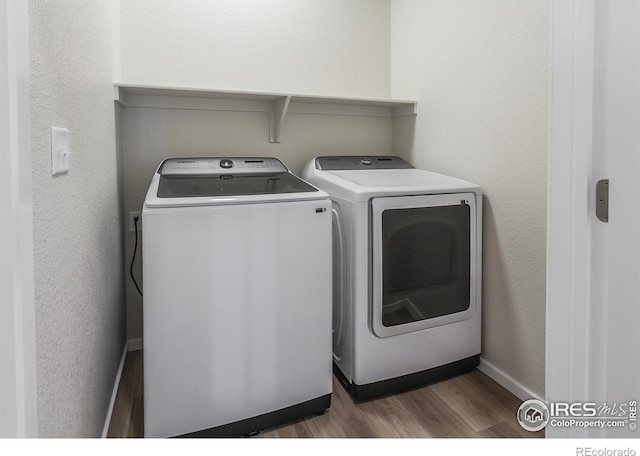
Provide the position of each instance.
(18, 391)
(570, 209)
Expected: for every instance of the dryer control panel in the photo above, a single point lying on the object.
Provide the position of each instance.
(211, 166)
(353, 162)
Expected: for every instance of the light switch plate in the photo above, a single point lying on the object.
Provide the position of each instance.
(59, 150)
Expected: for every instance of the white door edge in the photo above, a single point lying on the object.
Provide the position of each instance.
(569, 206)
(17, 301)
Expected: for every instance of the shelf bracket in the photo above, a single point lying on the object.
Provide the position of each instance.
(276, 117)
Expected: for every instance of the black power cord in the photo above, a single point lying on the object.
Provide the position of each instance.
(135, 249)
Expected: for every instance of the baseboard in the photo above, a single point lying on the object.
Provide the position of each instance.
(510, 384)
(114, 393)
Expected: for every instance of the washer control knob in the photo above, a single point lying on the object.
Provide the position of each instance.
(365, 161)
(226, 163)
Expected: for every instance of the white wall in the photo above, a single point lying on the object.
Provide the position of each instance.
(479, 71)
(77, 217)
(331, 47)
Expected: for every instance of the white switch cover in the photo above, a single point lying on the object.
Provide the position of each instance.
(59, 150)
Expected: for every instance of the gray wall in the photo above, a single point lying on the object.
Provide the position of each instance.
(77, 216)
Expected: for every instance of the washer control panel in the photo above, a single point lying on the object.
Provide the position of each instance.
(221, 165)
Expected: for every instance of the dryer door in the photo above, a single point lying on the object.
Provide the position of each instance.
(423, 261)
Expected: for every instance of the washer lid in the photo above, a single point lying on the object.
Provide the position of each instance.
(215, 181)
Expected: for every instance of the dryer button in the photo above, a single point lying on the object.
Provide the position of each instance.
(365, 161)
(226, 163)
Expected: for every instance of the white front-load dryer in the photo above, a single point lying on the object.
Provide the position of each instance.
(237, 297)
(407, 252)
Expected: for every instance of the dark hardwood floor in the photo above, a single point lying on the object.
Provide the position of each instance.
(469, 405)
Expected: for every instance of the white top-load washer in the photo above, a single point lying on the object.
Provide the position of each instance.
(407, 272)
(237, 297)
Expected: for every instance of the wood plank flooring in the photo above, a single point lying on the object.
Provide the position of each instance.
(469, 405)
(127, 419)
